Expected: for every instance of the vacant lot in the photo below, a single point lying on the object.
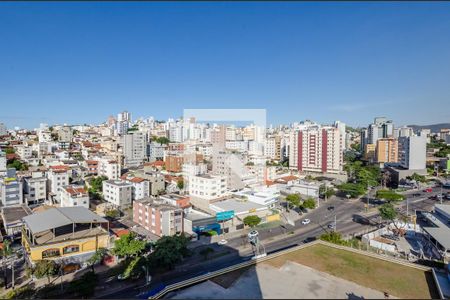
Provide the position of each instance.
(395, 279)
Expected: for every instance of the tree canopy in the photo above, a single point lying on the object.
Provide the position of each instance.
(387, 212)
(180, 183)
(252, 220)
(161, 140)
(45, 268)
(352, 189)
(128, 245)
(169, 250)
(294, 200)
(97, 183)
(309, 203)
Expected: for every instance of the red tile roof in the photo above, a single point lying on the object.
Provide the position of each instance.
(74, 190)
(137, 179)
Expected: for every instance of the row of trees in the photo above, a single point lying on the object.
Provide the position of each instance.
(360, 178)
(295, 201)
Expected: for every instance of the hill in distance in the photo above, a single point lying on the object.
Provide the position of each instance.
(435, 128)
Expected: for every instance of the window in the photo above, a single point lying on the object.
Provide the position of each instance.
(50, 253)
(71, 249)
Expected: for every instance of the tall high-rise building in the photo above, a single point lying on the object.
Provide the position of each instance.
(134, 148)
(316, 149)
(380, 128)
(3, 130)
(123, 122)
(412, 152)
(387, 150)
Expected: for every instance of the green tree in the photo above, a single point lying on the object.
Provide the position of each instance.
(293, 200)
(205, 252)
(161, 140)
(97, 183)
(352, 189)
(98, 256)
(134, 268)
(180, 183)
(332, 237)
(10, 151)
(18, 165)
(112, 213)
(388, 212)
(252, 220)
(418, 178)
(6, 249)
(309, 203)
(24, 292)
(45, 268)
(85, 286)
(356, 147)
(169, 250)
(128, 245)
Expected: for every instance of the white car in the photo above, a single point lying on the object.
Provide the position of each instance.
(222, 242)
(306, 221)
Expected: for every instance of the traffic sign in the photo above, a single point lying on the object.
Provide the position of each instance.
(225, 215)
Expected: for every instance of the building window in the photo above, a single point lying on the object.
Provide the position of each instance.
(50, 253)
(71, 249)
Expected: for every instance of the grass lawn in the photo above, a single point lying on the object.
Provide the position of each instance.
(395, 279)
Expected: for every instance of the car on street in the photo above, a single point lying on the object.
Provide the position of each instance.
(330, 208)
(331, 225)
(428, 190)
(306, 221)
(222, 242)
(309, 239)
(303, 210)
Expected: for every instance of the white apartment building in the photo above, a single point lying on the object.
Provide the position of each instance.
(155, 151)
(11, 193)
(3, 130)
(65, 134)
(23, 151)
(316, 149)
(58, 176)
(109, 168)
(118, 192)
(2, 163)
(412, 152)
(134, 147)
(35, 188)
(272, 148)
(74, 195)
(207, 186)
(141, 187)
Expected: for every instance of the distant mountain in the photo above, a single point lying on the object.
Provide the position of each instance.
(434, 127)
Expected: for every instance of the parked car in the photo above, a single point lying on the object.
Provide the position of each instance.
(222, 242)
(428, 190)
(330, 208)
(309, 239)
(306, 221)
(331, 225)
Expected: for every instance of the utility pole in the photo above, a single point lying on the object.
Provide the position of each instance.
(12, 279)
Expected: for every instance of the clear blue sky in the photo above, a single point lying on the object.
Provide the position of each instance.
(80, 62)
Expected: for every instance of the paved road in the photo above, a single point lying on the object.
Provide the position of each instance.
(344, 210)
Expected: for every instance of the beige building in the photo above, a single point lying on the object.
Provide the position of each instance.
(369, 152)
(386, 150)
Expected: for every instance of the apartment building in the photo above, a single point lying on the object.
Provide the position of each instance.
(11, 190)
(65, 134)
(412, 152)
(23, 151)
(174, 163)
(74, 195)
(155, 179)
(35, 188)
(387, 150)
(155, 151)
(272, 148)
(3, 130)
(91, 166)
(141, 187)
(2, 162)
(177, 200)
(232, 166)
(158, 217)
(109, 168)
(316, 149)
(58, 176)
(369, 152)
(118, 193)
(207, 186)
(134, 147)
(380, 128)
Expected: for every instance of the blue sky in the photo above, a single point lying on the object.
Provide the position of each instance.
(80, 62)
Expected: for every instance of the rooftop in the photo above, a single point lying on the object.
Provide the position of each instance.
(13, 214)
(60, 216)
(238, 206)
(117, 183)
(150, 202)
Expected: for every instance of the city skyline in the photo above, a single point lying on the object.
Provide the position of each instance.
(298, 60)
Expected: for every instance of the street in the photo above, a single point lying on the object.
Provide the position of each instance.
(276, 239)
